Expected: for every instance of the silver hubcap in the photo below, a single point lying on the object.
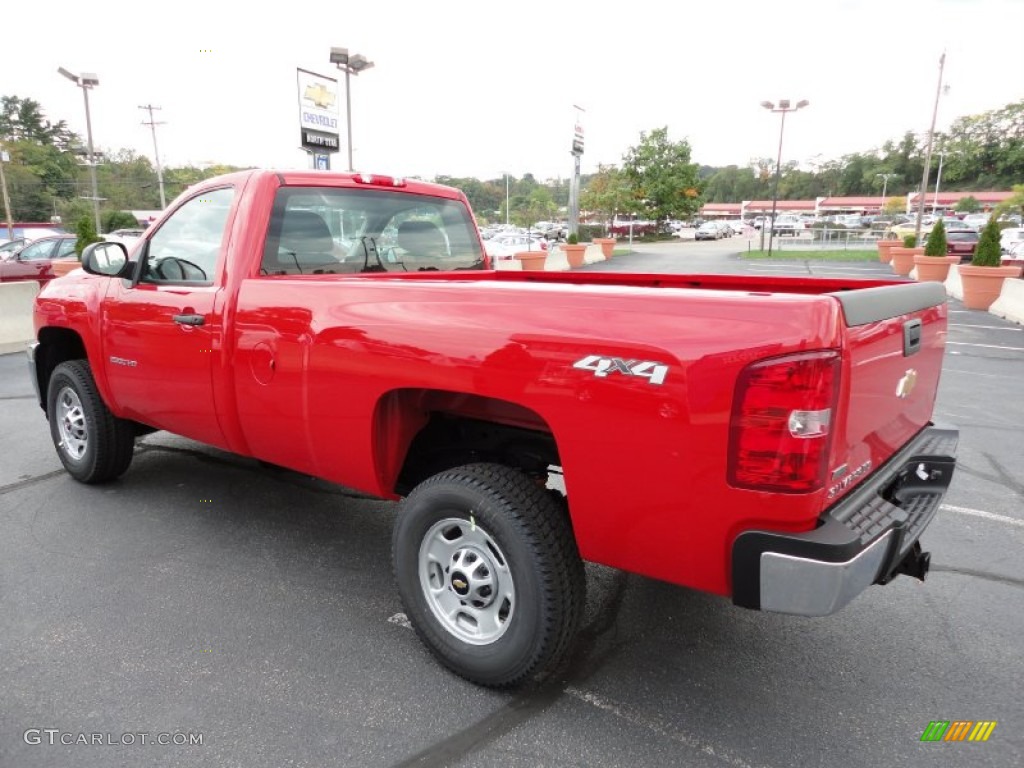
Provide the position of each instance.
(466, 580)
(74, 433)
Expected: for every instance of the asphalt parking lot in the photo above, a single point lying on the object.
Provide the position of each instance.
(203, 594)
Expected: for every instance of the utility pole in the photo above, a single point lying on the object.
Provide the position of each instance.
(4, 157)
(156, 152)
(928, 154)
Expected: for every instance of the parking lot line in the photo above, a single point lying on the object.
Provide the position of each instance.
(985, 327)
(986, 346)
(984, 515)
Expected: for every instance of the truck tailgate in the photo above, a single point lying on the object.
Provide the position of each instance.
(896, 338)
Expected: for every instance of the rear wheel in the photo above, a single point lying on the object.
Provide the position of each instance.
(92, 443)
(489, 574)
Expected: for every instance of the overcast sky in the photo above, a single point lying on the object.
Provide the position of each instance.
(478, 89)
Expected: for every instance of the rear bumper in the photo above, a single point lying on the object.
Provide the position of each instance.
(868, 538)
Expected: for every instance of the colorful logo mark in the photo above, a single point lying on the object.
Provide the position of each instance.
(959, 730)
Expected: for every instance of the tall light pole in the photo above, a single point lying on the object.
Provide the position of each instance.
(938, 180)
(351, 65)
(928, 154)
(86, 81)
(782, 108)
(885, 183)
(506, 200)
(156, 153)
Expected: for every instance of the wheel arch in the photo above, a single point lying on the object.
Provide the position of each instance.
(56, 346)
(419, 432)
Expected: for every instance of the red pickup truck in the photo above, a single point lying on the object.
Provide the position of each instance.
(766, 439)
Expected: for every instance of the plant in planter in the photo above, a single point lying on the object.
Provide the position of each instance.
(903, 258)
(983, 277)
(574, 251)
(933, 265)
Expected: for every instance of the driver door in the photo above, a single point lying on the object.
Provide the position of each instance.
(162, 331)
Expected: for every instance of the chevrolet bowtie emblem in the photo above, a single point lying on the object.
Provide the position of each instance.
(906, 384)
(459, 583)
(319, 95)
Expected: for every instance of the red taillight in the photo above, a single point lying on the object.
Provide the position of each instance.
(780, 432)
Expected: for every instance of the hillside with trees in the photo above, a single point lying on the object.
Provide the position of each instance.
(656, 179)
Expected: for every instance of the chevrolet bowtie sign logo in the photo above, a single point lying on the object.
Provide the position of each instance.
(319, 95)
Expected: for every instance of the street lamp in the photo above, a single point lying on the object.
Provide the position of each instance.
(350, 65)
(85, 81)
(782, 108)
(885, 183)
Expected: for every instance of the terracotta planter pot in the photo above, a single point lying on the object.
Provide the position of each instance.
(574, 253)
(61, 267)
(885, 249)
(934, 268)
(607, 245)
(983, 284)
(903, 259)
(531, 259)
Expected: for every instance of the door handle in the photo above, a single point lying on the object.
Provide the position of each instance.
(189, 319)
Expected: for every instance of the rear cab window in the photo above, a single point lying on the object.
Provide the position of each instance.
(327, 230)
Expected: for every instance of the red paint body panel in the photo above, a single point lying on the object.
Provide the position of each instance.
(333, 375)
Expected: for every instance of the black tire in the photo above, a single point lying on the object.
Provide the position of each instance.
(522, 537)
(93, 445)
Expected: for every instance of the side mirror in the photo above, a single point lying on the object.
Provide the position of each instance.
(107, 259)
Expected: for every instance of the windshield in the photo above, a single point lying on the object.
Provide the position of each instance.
(321, 230)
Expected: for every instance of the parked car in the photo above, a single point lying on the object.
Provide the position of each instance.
(33, 261)
(1010, 236)
(505, 245)
(962, 243)
(975, 220)
(787, 225)
(767, 439)
(900, 231)
(709, 230)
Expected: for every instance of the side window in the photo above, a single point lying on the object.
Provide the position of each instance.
(67, 247)
(37, 251)
(186, 247)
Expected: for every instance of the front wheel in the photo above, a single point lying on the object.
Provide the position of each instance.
(93, 445)
(489, 574)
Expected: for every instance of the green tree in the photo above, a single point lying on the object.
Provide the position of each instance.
(23, 120)
(988, 254)
(968, 205)
(607, 192)
(895, 205)
(935, 245)
(663, 179)
(85, 228)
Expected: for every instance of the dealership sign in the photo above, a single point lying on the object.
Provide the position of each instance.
(318, 111)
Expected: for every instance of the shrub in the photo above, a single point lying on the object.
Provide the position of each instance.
(909, 241)
(86, 231)
(935, 245)
(587, 232)
(119, 220)
(573, 239)
(987, 254)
